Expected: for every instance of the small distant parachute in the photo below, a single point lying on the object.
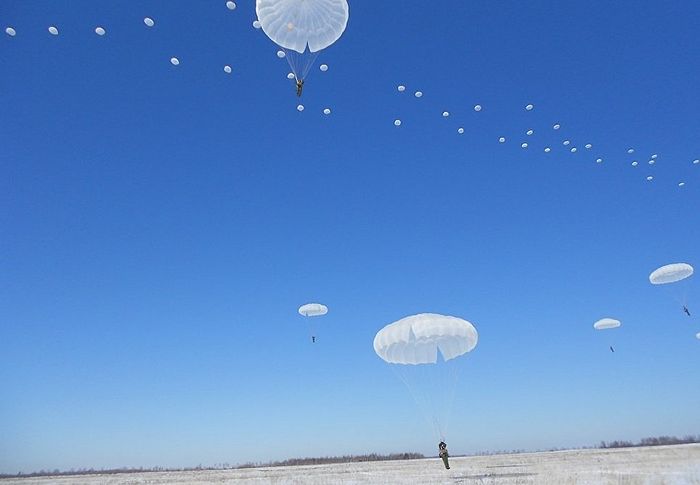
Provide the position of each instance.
(671, 273)
(606, 323)
(10, 31)
(100, 31)
(676, 276)
(149, 22)
(313, 310)
(697, 335)
(53, 30)
(302, 28)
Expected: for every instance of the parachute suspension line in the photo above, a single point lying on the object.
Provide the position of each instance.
(433, 392)
(453, 375)
(411, 391)
(300, 64)
(312, 330)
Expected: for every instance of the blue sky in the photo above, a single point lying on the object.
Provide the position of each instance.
(160, 225)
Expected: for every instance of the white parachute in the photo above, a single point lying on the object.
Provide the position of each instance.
(424, 352)
(606, 323)
(302, 28)
(671, 273)
(312, 310)
(417, 339)
(675, 276)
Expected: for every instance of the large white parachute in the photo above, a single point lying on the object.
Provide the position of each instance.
(298, 24)
(606, 323)
(411, 345)
(416, 339)
(302, 28)
(670, 273)
(313, 310)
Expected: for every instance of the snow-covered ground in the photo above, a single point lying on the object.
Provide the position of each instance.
(673, 465)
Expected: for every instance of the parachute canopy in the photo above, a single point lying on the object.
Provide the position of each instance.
(313, 310)
(606, 323)
(416, 339)
(670, 273)
(296, 24)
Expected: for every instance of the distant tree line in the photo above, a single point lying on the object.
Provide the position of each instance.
(335, 459)
(219, 466)
(654, 441)
(102, 471)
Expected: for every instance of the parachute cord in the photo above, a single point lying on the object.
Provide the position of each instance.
(454, 375)
(420, 404)
(300, 64)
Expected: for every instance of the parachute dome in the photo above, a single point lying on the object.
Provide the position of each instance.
(313, 310)
(606, 323)
(416, 339)
(294, 24)
(670, 273)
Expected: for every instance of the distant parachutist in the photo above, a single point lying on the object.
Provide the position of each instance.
(313, 339)
(685, 309)
(612, 349)
(300, 87)
(442, 447)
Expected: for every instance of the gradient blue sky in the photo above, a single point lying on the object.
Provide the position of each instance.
(159, 227)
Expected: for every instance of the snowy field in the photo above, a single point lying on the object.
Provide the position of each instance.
(677, 465)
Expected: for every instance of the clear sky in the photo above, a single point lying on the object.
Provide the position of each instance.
(160, 226)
